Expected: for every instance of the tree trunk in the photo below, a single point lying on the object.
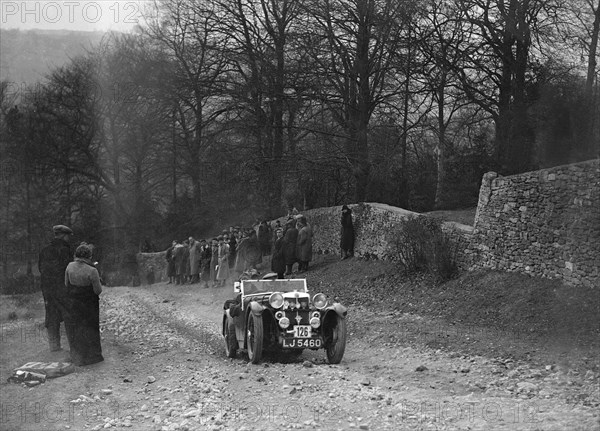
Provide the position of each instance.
(591, 70)
(442, 153)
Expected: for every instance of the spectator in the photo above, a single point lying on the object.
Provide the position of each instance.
(180, 263)
(186, 261)
(194, 260)
(82, 320)
(53, 261)
(253, 253)
(214, 260)
(292, 211)
(205, 257)
(240, 262)
(264, 238)
(223, 252)
(276, 225)
(278, 260)
(347, 234)
(171, 272)
(232, 241)
(289, 246)
(304, 244)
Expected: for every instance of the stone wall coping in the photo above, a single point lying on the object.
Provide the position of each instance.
(458, 226)
(590, 162)
(390, 208)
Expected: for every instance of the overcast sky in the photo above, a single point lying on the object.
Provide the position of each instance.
(118, 15)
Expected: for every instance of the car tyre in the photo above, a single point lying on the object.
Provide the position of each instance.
(254, 328)
(231, 344)
(337, 345)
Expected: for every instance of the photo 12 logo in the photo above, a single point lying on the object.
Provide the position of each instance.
(63, 12)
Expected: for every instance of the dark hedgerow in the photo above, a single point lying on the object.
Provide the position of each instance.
(422, 246)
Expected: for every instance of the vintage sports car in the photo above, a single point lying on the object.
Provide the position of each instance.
(276, 315)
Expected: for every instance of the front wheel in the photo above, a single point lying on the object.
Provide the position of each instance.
(231, 343)
(337, 340)
(254, 328)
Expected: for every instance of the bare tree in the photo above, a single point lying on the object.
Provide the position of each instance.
(189, 33)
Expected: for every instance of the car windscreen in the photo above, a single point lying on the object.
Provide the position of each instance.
(258, 286)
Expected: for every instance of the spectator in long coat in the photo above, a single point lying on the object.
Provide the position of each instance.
(53, 261)
(231, 239)
(180, 263)
(214, 260)
(249, 253)
(171, 272)
(205, 257)
(304, 244)
(82, 319)
(289, 246)
(194, 260)
(264, 238)
(240, 261)
(186, 261)
(223, 272)
(278, 261)
(347, 233)
(276, 225)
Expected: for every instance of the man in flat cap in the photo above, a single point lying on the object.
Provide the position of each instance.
(53, 261)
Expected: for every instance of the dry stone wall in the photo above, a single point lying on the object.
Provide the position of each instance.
(544, 223)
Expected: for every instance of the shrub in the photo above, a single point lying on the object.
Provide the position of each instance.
(422, 246)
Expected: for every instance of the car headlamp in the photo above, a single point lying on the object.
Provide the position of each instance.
(279, 315)
(315, 322)
(319, 300)
(316, 314)
(276, 300)
(284, 322)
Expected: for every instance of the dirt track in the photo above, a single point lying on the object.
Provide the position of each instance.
(170, 335)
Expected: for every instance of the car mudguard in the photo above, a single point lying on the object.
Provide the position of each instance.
(256, 308)
(337, 308)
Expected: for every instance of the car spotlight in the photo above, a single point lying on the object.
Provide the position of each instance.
(276, 300)
(319, 300)
(315, 322)
(316, 314)
(279, 315)
(284, 322)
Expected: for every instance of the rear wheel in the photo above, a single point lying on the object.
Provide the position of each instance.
(254, 328)
(337, 340)
(231, 344)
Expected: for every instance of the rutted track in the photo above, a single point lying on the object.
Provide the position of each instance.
(375, 387)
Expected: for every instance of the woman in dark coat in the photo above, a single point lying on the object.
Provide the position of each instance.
(264, 238)
(82, 314)
(278, 261)
(304, 244)
(289, 246)
(214, 260)
(180, 263)
(171, 272)
(347, 235)
(205, 258)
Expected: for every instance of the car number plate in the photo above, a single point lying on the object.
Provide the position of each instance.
(302, 343)
(302, 331)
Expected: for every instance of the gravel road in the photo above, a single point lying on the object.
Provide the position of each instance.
(165, 369)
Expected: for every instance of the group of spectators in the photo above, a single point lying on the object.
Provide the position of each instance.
(71, 292)
(211, 262)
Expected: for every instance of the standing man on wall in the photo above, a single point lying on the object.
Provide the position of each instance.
(53, 261)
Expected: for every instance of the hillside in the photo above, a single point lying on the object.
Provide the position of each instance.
(27, 56)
